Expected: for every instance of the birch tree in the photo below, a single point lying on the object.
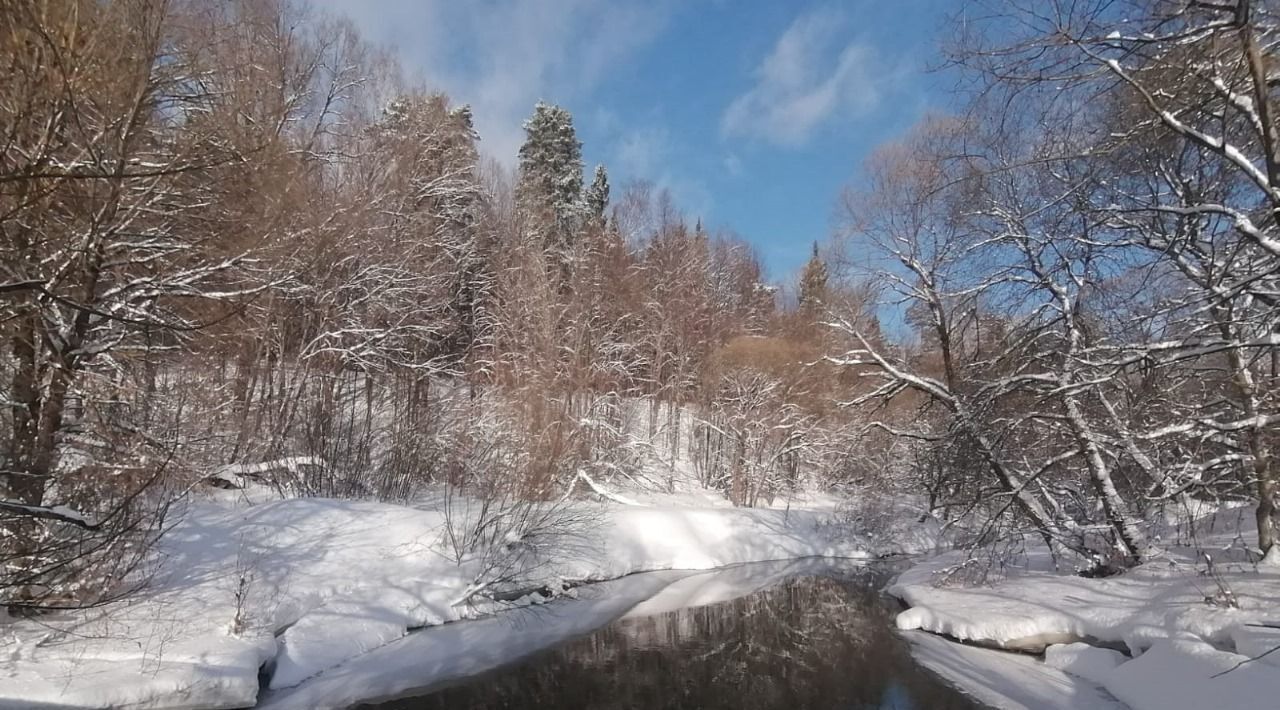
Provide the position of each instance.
(1177, 101)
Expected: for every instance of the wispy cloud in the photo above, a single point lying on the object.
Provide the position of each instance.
(813, 74)
(647, 152)
(642, 151)
(733, 165)
(501, 56)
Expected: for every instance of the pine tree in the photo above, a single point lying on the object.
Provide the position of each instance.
(813, 283)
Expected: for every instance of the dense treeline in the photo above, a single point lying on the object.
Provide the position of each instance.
(234, 241)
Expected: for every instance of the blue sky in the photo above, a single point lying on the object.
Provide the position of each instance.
(753, 113)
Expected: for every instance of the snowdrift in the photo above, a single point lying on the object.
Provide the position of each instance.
(302, 586)
(1184, 647)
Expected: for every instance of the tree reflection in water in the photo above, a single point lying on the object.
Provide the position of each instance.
(807, 643)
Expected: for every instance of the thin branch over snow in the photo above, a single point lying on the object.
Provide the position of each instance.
(58, 513)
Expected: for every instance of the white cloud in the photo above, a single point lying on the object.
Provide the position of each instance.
(733, 165)
(809, 77)
(646, 153)
(642, 152)
(501, 56)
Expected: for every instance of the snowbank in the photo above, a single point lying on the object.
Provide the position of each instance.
(1166, 613)
(1189, 673)
(321, 582)
(1084, 661)
(435, 657)
(1030, 610)
(1007, 680)
(438, 655)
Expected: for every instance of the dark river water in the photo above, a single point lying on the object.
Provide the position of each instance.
(807, 636)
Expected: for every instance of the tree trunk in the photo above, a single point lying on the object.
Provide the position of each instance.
(1119, 517)
(26, 486)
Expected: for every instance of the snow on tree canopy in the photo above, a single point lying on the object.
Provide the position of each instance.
(551, 168)
(813, 281)
(597, 195)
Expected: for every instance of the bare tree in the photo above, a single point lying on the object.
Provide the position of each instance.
(1173, 105)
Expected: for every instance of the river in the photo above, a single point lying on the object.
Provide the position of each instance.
(809, 634)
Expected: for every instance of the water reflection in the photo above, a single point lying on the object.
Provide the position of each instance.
(811, 642)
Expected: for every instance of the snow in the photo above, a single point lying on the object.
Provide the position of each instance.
(1155, 601)
(1164, 612)
(1009, 681)
(434, 657)
(1188, 673)
(1084, 661)
(325, 582)
(330, 590)
(1272, 558)
(1258, 642)
(55, 512)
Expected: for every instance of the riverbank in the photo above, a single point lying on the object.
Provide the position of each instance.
(304, 598)
(244, 597)
(1176, 632)
(662, 612)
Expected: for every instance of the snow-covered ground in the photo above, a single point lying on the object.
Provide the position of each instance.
(1184, 647)
(1006, 680)
(322, 594)
(307, 585)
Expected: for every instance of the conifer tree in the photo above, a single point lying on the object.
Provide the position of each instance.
(597, 197)
(549, 192)
(813, 282)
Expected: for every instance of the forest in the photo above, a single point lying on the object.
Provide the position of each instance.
(234, 237)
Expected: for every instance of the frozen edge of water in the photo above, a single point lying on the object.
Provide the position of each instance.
(1006, 679)
(431, 658)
